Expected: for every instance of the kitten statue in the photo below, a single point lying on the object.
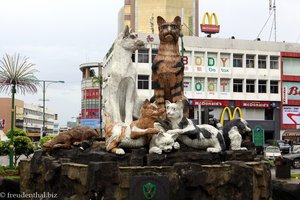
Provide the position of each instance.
(203, 136)
(163, 141)
(135, 135)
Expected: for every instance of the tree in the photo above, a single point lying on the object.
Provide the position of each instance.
(16, 75)
(17, 132)
(97, 80)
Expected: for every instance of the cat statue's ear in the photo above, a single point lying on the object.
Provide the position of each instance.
(167, 102)
(126, 32)
(180, 104)
(177, 20)
(160, 21)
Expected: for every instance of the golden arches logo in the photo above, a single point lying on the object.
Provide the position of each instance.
(210, 18)
(230, 115)
(209, 27)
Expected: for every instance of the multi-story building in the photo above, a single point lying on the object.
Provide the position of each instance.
(290, 122)
(223, 73)
(28, 117)
(90, 95)
(140, 15)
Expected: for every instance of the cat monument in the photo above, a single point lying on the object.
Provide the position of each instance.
(120, 83)
(167, 68)
(135, 135)
(204, 137)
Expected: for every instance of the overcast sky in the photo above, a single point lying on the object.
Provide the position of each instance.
(59, 35)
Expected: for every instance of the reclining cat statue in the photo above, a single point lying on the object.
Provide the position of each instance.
(135, 135)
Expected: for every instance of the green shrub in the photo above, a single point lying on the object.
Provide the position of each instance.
(17, 132)
(4, 148)
(23, 145)
(46, 139)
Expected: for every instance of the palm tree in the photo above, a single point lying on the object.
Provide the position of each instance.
(16, 75)
(97, 80)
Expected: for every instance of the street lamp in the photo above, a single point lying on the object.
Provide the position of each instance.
(44, 102)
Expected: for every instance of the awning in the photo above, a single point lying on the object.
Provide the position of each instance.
(291, 133)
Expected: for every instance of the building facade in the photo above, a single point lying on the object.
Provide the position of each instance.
(290, 122)
(90, 95)
(222, 73)
(28, 117)
(141, 14)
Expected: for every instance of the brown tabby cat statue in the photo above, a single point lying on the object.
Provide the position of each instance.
(167, 67)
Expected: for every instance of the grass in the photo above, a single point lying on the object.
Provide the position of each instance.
(7, 172)
(295, 176)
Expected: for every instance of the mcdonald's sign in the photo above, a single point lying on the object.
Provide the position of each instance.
(230, 115)
(208, 27)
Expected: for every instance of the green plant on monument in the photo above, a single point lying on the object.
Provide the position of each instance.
(16, 75)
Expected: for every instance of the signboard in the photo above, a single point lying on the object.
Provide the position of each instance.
(291, 115)
(284, 95)
(291, 91)
(91, 94)
(2, 122)
(258, 136)
(209, 27)
(92, 123)
(149, 187)
(202, 102)
(253, 104)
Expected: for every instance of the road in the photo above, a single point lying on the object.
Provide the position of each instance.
(4, 160)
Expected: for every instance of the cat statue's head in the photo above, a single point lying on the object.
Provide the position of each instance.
(174, 110)
(169, 31)
(165, 141)
(129, 40)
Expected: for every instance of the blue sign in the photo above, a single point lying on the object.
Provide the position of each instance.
(92, 123)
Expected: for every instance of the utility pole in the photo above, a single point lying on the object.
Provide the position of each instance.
(44, 103)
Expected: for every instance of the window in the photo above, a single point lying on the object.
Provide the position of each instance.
(250, 86)
(250, 61)
(143, 82)
(212, 59)
(237, 60)
(212, 84)
(262, 62)
(224, 85)
(199, 84)
(237, 85)
(143, 56)
(262, 86)
(133, 57)
(154, 53)
(187, 83)
(273, 62)
(269, 113)
(225, 59)
(274, 87)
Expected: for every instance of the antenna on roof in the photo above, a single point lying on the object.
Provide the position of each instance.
(272, 10)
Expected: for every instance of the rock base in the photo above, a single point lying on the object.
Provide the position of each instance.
(73, 174)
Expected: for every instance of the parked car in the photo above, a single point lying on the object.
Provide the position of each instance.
(272, 152)
(295, 159)
(296, 148)
(284, 146)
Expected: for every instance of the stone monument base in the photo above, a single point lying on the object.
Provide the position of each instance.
(73, 174)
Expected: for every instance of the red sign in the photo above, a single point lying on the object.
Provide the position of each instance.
(91, 94)
(210, 28)
(253, 104)
(202, 102)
